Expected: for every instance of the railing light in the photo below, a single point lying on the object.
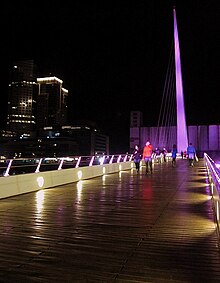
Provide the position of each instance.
(61, 164)
(8, 168)
(36, 165)
(91, 161)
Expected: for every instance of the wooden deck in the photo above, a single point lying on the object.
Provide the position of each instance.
(123, 227)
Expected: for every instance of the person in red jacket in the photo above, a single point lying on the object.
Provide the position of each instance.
(147, 156)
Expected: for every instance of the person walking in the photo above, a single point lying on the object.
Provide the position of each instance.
(137, 157)
(174, 153)
(191, 153)
(182, 154)
(147, 156)
(164, 152)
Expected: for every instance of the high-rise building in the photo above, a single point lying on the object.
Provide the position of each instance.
(136, 119)
(51, 102)
(23, 89)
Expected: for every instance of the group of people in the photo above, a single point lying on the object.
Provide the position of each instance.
(147, 156)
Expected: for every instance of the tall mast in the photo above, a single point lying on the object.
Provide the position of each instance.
(182, 137)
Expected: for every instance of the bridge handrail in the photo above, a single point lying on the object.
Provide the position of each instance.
(34, 165)
(214, 179)
(214, 171)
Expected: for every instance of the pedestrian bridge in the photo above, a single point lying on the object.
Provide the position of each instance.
(117, 227)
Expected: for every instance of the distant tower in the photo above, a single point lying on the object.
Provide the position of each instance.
(51, 102)
(182, 137)
(22, 98)
(136, 121)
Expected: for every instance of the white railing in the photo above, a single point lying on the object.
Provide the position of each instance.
(28, 175)
(18, 166)
(214, 180)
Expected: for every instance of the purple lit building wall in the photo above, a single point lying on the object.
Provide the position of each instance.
(205, 138)
(213, 133)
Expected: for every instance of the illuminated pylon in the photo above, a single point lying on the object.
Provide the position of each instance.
(182, 137)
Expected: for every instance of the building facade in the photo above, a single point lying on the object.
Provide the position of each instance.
(34, 102)
(51, 102)
(37, 119)
(89, 140)
(205, 138)
(60, 141)
(23, 91)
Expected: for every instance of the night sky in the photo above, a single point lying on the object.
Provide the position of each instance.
(113, 57)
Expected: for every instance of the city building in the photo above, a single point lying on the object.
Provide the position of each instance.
(23, 91)
(89, 140)
(51, 102)
(82, 139)
(136, 121)
(37, 123)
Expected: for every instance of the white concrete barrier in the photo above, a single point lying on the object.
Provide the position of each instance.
(25, 183)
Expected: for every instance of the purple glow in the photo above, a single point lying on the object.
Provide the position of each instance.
(182, 138)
